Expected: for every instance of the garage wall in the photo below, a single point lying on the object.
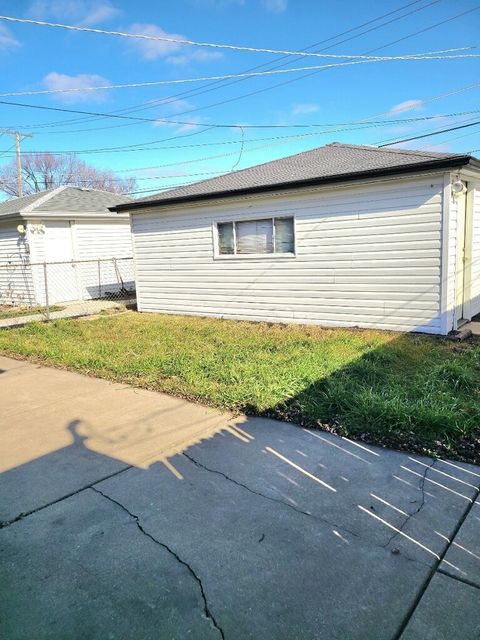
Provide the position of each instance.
(105, 240)
(16, 285)
(365, 255)
(79, 244)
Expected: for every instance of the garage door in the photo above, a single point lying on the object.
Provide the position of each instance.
(62, 279)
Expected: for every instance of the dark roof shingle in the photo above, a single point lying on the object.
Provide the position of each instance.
(64, 200)
(322, 163)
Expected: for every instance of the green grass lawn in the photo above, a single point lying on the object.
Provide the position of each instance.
(408, 391)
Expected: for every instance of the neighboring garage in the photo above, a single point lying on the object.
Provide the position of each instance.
(87, 249)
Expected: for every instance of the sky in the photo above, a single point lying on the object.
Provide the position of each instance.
(195, 130)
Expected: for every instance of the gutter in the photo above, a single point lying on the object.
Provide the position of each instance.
(443, 163)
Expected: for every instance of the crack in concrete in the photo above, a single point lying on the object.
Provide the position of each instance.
(208, 614)
(306, 513)
(436, 568)
(25, 514)
(272, 499)
(470, 583)
(421, 487)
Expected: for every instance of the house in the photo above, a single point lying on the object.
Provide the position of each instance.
(340, 236)
(70, 230)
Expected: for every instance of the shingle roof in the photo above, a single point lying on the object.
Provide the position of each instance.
(64, 200)
(15, 205)
(323, 163)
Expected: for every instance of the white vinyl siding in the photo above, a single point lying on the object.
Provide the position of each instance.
(102, 239)
(94, 240)
(365, 256)
(16, 284)
(475, 274)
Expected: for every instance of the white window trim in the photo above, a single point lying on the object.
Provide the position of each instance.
(253, 256)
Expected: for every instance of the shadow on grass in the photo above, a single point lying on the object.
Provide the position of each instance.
(404, 394)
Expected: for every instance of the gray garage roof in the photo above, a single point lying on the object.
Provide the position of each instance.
(333, 162)
(64, 200)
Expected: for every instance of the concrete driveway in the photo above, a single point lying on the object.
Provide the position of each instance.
(133, 515)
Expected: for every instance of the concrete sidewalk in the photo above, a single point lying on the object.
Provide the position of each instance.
(70, 310)
(131, 514)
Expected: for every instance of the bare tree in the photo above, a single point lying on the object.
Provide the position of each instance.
(46, 170)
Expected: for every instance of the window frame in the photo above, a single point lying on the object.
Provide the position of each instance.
(252, 256)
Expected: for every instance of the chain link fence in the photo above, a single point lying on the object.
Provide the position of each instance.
(50, 290)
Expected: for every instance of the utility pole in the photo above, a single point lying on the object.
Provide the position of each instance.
(18, 138)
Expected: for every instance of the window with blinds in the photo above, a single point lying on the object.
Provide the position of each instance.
(268, 235)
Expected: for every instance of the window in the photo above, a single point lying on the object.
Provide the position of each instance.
(243, 237)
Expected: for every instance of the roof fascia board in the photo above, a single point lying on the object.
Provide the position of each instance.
(77, 215)
(10, 216)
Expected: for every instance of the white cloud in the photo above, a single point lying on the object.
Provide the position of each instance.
(7, 41)
(305, 107)
(275, 6)
(216, 4)
(408, 105)
(193, 123)
(153, 49)
(54, 80)
(179, 105)
(199, 55)
(83, 12)
(162, 123)
(173, 52)
(175, 107)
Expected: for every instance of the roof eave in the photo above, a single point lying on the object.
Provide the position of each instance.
(443, 163)
(77, 215)
(10, 216)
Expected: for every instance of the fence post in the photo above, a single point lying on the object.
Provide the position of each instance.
(45, 278)
(99, 280)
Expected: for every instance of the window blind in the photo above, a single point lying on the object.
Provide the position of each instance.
(254, 236)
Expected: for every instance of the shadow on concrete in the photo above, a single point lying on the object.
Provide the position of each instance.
(287, 524)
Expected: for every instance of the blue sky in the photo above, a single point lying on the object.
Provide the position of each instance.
(161, 154)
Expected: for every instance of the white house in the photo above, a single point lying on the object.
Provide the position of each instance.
(73, 232)
(342, 235)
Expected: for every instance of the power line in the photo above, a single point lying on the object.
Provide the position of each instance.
(455, 123)
(214, 85)
(180, 122)
(427, 135)
(135, 85)
(424, 101)
(345, 126)
(432, 26)
(184, 41)
(257, 67)
(262, 90)
(296, 79)
(101, 116)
